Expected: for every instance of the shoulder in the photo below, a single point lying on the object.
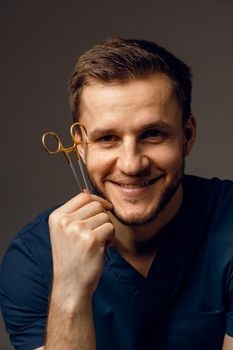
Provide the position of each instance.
(29, 250)
(38, 226)
(210, 202)
(25, 281)
(201, 182)
(213, 191)
(36, 233)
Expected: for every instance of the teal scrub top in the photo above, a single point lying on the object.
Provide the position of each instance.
(185, 302)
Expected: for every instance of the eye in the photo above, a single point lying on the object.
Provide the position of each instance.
(153, 135)
(107, 141)
(107, 138)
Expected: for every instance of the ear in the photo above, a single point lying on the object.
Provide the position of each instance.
(189, 134)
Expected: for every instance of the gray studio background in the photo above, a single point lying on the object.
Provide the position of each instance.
(40, 42)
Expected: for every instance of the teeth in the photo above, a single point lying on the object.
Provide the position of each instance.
(134, 186)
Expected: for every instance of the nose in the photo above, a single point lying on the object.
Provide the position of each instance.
(131, 160)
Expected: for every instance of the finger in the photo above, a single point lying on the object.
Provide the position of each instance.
(96, 221)
(82, 199)
(87, 211)
(105, 234)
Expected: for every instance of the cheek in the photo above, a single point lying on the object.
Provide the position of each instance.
(168, 157)
(98, 163)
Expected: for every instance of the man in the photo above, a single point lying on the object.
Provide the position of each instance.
(168, 281)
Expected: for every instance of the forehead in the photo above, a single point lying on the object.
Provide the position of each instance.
(133, 101)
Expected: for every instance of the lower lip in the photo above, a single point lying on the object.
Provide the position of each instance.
(134, 192)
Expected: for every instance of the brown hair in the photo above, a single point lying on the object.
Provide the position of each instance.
(116, 60)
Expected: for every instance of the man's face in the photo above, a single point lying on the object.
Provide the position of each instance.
(135, 155)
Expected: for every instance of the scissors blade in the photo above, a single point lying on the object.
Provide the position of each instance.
(75, 175)
(84, 176)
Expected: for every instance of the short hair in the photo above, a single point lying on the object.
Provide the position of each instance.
(118, 60)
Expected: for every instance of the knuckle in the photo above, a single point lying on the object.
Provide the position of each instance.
(53, 217)
(97, 206)
(91, 241)
(88, 241)
(64, 220)
(85, 196)
(104, 216)
(76, 227)
(109, 226)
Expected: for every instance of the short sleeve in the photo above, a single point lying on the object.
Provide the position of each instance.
(23, 296)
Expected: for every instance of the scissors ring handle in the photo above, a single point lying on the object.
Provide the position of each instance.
(72, 132)
(59, 144)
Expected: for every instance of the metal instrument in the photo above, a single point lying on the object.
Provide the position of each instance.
(67, 150)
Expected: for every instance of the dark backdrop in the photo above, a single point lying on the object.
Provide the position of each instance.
(39, 44)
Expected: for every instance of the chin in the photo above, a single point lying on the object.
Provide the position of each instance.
(134, 219)
(140, 211)
(142, 216)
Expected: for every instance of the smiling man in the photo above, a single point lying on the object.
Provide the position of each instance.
(168, 281)
(136, 155)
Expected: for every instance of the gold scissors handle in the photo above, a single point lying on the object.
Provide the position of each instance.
(59, 145)
(66, 150)
(82, 132)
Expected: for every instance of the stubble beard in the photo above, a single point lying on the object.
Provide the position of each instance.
(165, 197)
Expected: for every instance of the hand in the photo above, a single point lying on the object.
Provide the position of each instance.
(80, 231)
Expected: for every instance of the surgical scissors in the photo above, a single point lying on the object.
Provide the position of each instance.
(67, 150)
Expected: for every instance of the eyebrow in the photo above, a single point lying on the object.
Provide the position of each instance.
(161, 125)
(98, 132)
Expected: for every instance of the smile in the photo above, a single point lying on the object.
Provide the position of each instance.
(138, 185)
(134, 188)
